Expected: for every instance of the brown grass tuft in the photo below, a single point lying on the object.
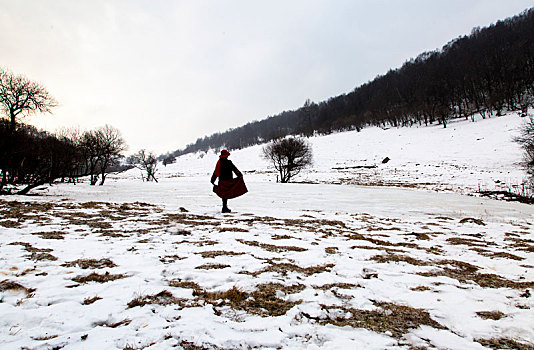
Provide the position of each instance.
(90, 263)
(162, 298)
(109, 324)
(89, 301)
(215, 253)
(504, 343)
(6, 285)
(464, 272)
(212, 267)
(472, 221)
(491, 315)
(272, 247)
(397, 319)
(263, 301)
(99, 278)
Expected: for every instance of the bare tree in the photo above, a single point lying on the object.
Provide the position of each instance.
(101, 148)
(20, 97)
(147, 162)
(526, 140)
(111, 146)
(288, 156)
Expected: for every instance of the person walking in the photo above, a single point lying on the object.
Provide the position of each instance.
(228, 187)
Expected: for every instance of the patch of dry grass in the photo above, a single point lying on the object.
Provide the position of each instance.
(491, 315)
(50, 235)
(170, 258)
(339, 285)
(385, 258)
(472, 221)
(285, 268)
(331, 250)
(464, 272)
(212, 267)
(99, 278)
(162, 298)
(7, 285)
(90, 300)
(10, 223)
(420, 288)
(397, 319)
(110, 324)
(272, 247)
(90, 263)
(504, 343)
(263, 301)
(215, 253)
(184, 284)
(232, 229)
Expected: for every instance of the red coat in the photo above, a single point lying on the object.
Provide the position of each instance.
(228, 189)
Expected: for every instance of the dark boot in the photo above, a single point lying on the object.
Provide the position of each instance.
(225, 208)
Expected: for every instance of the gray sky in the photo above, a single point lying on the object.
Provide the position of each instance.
(168, 72)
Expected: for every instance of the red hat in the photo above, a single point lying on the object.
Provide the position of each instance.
(224, 154)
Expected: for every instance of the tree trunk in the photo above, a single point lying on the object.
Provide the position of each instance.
(27, 189)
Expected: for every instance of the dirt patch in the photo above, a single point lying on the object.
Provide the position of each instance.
(99, 278)
(397, 319)
(90, 263)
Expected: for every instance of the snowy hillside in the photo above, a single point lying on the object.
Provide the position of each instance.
(464, 157)
(406, 261)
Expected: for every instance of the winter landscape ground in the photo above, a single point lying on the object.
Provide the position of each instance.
(358, 254)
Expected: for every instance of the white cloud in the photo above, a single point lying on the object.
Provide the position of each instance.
(168, 72)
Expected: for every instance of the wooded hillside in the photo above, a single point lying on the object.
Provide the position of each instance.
(489, 71)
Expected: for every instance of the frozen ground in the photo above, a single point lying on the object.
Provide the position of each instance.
(396, 257)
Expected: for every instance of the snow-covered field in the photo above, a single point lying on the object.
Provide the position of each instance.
(358, 255)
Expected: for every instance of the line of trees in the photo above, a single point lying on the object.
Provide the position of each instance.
(31, 157)
(487, 72)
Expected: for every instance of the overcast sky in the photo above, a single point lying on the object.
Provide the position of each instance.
(168, 72)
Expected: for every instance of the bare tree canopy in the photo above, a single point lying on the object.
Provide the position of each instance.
(526, 140)
(101, 147)
(147, 162)
(288, 156)
(20, 97)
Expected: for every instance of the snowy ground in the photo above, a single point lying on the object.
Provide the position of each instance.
(396, 257)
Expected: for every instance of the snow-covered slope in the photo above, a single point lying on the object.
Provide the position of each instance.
(133, 265)
(466, 156)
